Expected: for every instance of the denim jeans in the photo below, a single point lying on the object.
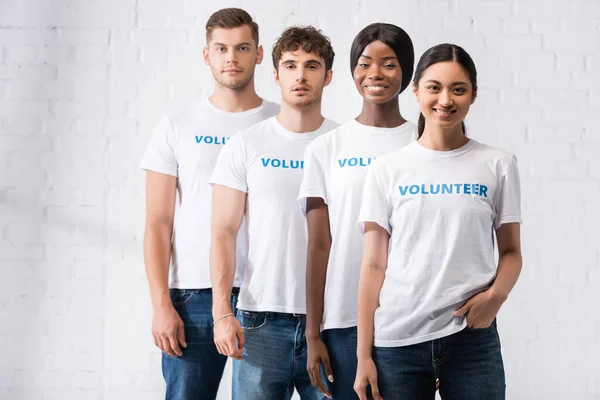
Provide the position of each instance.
(468, 364)
(196, 374)
(341, 345)
(274, 358)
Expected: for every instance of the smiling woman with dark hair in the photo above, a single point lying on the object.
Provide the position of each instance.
(430, 287)
(381, 62)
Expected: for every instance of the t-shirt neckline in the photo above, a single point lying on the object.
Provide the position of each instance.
(295, 135)
(378, 130)
(421, 150)
(206, 103)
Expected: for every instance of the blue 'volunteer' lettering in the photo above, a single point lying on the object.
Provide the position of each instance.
(451, 188)
(277, 163)
(355, 161)
(212, 139)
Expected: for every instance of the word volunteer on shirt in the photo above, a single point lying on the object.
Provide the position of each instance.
(212, 139)
(443, 188)
(355, 162)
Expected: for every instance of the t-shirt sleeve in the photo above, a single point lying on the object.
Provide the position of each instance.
(374, 206)
(230, 169)
(160, 154)
(313, 181)
(508, 200)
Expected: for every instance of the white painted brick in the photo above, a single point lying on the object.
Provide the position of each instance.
(38, 72)
(18, 36)
(154, 56)
(556, 42)
(158, 37)
(543, 24)
(461, 25)
(87, 380)
(437, 6)
(39, 144)
(54, 54)
(55, 233)
(525, 43)
(561, 80)
(73, 214)
(78, 73)
(92, 106)
(92, 54)
(25, 233)
(514, 97)
(21, 252)
(517, 26)
(545, 8)
(84, 37)
(484, 8)
(24, 89)
(22, 54)
(488, 25)
(571, 62)
(34, 108)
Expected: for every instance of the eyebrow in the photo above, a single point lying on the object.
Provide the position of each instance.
(312, 61)
(454, 84)
(239, 44)
(383, 58)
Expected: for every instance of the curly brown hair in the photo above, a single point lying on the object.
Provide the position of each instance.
(229, 18)
(309, 39)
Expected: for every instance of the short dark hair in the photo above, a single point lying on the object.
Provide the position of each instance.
(229, 18)
(309, 39)
(394, 37)
(442, 53)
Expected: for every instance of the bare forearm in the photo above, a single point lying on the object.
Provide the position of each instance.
(371, 280)
(222, 272)
(316, 275)
(157, 257)
(509, 269)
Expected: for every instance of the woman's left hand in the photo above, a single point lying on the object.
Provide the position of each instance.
(481, 309)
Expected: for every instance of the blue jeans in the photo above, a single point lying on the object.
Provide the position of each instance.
(274, 358)
(341, 345)
(468, 364)
(196, 374)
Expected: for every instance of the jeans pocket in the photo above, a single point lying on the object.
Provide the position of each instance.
(181, 296)
(250, 320)
(489, 328)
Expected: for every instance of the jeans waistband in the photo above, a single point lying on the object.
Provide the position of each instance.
(234, 291)
(279, 315)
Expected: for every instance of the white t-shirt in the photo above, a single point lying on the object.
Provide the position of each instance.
(265, 161)
(186, 145)
(440, 208)
(335, 170)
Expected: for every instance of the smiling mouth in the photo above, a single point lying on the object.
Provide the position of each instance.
(444, 113)
(375, 88)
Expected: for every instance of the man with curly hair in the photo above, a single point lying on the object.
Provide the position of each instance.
(258, 174)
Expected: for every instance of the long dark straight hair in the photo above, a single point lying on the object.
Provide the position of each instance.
(442, 53)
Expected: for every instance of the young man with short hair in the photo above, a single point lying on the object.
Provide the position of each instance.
(258, 174)
(179, 160)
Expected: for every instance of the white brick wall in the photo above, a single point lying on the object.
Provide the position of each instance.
(83, 83)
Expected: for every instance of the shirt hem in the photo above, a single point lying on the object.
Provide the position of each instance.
(270, 308)
(420, 339)
(159, 170)
(338, 325)
(200, 285)
(230, 185)
(508, 220)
